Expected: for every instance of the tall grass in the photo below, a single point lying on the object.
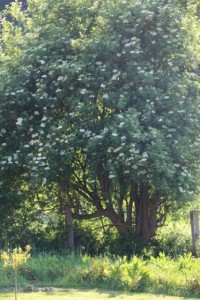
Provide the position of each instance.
(179, 277)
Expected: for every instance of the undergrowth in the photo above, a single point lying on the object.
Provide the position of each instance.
(156, 275)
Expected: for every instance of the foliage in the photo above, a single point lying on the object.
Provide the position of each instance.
(197, 246)
(16, 257)
(155, 275)
(14, 260)
(37, 222)
(99, 101)
(3, 3)
(46, 232)
(174, 239)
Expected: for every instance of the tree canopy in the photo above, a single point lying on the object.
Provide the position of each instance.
(99, 100)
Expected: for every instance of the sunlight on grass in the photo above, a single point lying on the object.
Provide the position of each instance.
(85, 295)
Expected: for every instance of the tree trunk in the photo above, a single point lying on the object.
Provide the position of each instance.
(69, 228)
(145, 215)
(122, 226)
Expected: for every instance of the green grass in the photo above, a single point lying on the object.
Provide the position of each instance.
(161, 275)
(88, 294)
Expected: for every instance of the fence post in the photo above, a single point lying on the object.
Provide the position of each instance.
(194, 217)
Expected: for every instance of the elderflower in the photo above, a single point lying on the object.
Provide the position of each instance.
(111, 176)
(105, 96)
(19, 121)
(83, 91)
(44, 181)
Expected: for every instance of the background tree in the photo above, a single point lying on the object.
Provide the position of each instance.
(101, 100)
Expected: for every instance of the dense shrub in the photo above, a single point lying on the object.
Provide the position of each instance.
(174, 239)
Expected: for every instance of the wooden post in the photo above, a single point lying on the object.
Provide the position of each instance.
(194, 217)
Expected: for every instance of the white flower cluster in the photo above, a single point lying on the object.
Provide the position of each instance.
(19, 121)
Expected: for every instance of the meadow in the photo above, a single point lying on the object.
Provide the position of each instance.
(156, 275)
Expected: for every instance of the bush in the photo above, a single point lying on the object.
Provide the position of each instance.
(174, 239)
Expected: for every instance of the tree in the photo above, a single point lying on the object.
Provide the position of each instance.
(101, 100)
(14, 260)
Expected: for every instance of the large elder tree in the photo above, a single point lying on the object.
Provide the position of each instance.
(100, 100)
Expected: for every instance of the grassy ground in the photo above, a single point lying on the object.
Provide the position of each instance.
(87, 294)
(161, 275)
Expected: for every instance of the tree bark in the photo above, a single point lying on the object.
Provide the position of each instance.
(145, 215)
(69, 228)
(122, 226)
